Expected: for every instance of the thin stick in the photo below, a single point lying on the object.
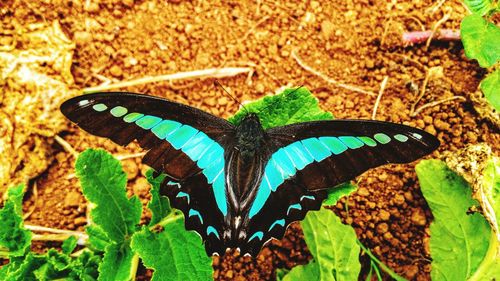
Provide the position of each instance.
(130, 156)
(431, 10)
(430, 72)
(328, 79)
(435, 27)
(252, 29)
(53, 230)
(204, 73)
(50, 237)
(379, 96)
(431, 104)
(35, 200)
(66, 145)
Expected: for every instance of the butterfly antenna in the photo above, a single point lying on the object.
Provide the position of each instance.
(217, 83)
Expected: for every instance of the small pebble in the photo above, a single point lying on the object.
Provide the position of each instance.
(116, 71)
(327, 29)
(384, 215)
(362, 191)
(72, 199)
(418, 217)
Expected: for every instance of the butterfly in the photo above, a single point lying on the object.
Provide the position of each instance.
(241, 185)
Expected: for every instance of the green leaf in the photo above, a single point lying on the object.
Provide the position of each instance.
(50, 266)
(290, 106)
(335, 193)
(85, 267)
(459, 241)
(490, 86)
(159, 204)
(69, 245)
(103, 184)
(491, 186)
(334, 248)
(309, 271)
(173, 254)
(481, 7)
(13, 236)
(98, 240)
(117, 263)
(480, 39)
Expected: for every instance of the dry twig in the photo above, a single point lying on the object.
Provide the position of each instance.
(436, 26)
(431, 72)
(66, 145)
(196, 74)
(130, 156)
(35, 200)
(379, 96)
(328, 79)
(434, 103)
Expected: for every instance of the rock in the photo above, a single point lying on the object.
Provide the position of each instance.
(82, 37)
(399, 199)
(72, 199)
(128, 3)
(362, 191)
(384, 215)
(116, 71)
(369, 63)
(92, 7)
(130, 168)
(382, 228)
(80, 221)
(418, 217)
(327, 29)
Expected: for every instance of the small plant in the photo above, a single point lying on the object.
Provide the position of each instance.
(481, 40)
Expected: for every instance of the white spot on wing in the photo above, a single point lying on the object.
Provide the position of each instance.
(83, 102)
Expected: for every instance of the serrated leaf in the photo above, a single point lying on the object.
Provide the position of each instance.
(98, 240)
(480, 7)
(481, 40)
(290, 106)
(490, 86)
(335, 193)
(13, 236)
(86, 266)
(173, 254)
(103, 183)
(334, 248)
(159, 204)
(117, 263)
(69, 245)
(24, 269)
(459, 241)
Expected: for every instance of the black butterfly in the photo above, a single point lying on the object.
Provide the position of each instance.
(240, 186)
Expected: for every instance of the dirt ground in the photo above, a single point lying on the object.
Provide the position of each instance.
(323, 45)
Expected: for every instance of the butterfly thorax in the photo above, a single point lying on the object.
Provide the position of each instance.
(245, 165)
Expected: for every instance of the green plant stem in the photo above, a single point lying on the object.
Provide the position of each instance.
(167, 220)
(377, 270)
(134, 266)
(381, 264)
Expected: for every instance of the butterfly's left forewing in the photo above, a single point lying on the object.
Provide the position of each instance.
(183, 142)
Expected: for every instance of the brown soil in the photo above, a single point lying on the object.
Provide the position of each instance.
(353, 42)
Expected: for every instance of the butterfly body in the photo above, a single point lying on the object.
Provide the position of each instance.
(239, 186)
